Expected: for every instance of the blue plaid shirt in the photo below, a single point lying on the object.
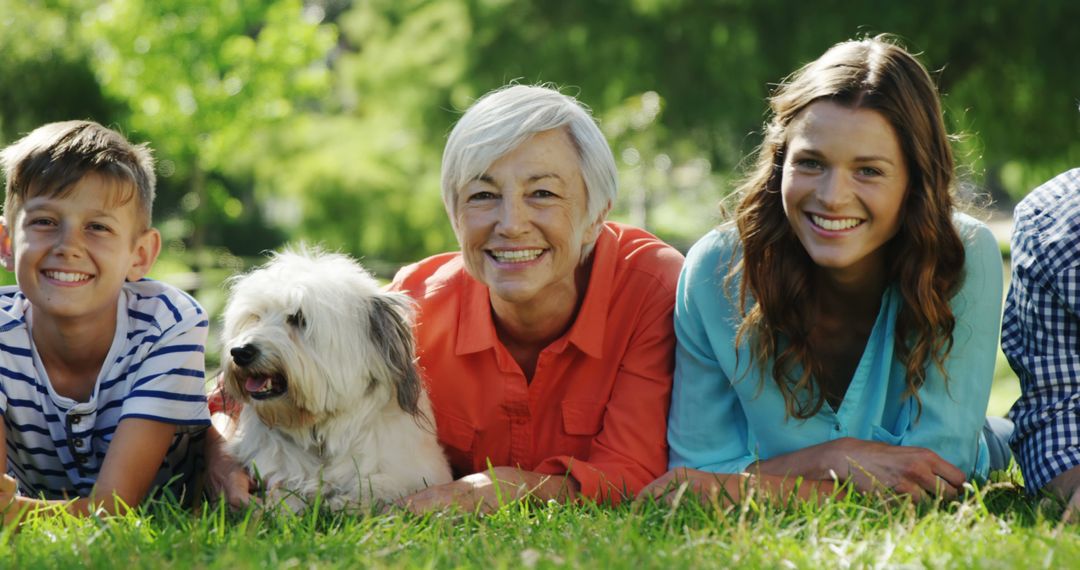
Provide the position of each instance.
(1041, 329)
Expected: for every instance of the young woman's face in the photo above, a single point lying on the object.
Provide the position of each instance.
(843, 187)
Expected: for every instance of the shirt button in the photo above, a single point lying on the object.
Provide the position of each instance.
(83, 460)
(75, 420)
(837, 427)
(77, 442)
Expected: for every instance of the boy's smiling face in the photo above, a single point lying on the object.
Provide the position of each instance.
(72, 254)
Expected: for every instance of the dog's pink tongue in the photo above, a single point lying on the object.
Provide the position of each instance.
(253, 384)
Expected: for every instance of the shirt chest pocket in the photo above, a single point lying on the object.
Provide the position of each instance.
(883, 435)
(582, 417)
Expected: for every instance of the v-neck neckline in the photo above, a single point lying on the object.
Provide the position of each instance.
(884, 321)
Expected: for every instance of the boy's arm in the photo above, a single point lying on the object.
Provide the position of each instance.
(135, 455)
(132, 462)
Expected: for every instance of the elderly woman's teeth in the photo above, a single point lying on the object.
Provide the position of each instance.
(516, 256)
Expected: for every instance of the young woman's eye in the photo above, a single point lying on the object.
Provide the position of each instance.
(869, 171)
(809, 164)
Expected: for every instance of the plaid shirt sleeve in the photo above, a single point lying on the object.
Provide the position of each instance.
(1041, 330)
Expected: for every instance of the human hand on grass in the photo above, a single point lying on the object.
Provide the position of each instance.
(873, 466)
(486, 491)
(1067, 486)
(731, 488)
(225, 477)
(676, 483)
(1072, 509)
(8, 491)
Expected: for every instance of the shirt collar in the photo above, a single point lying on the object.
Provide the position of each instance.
(13, 315)
(476, 329)
(587, 332)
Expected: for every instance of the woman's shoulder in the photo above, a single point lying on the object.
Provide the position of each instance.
(634, 243)
(718, 248)
(638, 252)
(975, 234)
(429, 277)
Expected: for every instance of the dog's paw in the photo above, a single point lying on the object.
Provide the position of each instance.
(280, 497)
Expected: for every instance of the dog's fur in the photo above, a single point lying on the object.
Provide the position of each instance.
(323, 362)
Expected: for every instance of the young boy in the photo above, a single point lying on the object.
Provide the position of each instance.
(101, 371)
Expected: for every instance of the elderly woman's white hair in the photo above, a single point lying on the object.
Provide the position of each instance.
(501, 120)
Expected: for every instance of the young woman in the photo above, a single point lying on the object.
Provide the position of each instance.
(844, 326)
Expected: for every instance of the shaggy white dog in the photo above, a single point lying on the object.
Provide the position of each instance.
(323, 361)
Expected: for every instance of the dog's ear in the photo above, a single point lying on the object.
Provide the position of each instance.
(391, 332)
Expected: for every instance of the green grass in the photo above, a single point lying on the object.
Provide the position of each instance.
(1006, 388)
(997, 527)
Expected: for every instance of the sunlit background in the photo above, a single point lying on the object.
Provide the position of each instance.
(280, 121)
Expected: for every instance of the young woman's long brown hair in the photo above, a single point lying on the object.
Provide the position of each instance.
(926, 257)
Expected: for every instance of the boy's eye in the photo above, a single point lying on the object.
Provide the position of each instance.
(98, 227)
(41, 222)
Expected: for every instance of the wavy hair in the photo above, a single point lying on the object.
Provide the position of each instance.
(926, 256)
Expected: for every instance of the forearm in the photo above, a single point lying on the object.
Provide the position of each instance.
(779, 489)
(732, 488)
(488, 490)
(816, 462)
(503, 484)
(1046, 440)
(21, 507)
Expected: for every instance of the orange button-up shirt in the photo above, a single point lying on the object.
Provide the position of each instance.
(596, 408)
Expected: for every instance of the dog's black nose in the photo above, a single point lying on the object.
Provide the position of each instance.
(244, 355)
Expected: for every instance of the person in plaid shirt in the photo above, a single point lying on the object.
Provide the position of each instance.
(1041, 337)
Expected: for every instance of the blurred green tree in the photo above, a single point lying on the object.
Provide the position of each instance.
(203, 79)
(324, 120)
(45, 75)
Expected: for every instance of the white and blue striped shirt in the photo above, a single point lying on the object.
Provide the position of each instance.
(1041, 330)
(154, 370)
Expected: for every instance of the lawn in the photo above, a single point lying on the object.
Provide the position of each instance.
(995, 527)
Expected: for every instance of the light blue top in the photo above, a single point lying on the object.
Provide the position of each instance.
(724, 417)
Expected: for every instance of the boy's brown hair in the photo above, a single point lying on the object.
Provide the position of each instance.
(53, 157)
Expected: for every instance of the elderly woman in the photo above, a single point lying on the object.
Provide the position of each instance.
(547, 341)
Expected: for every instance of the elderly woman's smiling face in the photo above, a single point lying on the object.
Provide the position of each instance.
(523, 225)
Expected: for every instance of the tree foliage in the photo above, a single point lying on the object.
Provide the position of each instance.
(324, 121)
